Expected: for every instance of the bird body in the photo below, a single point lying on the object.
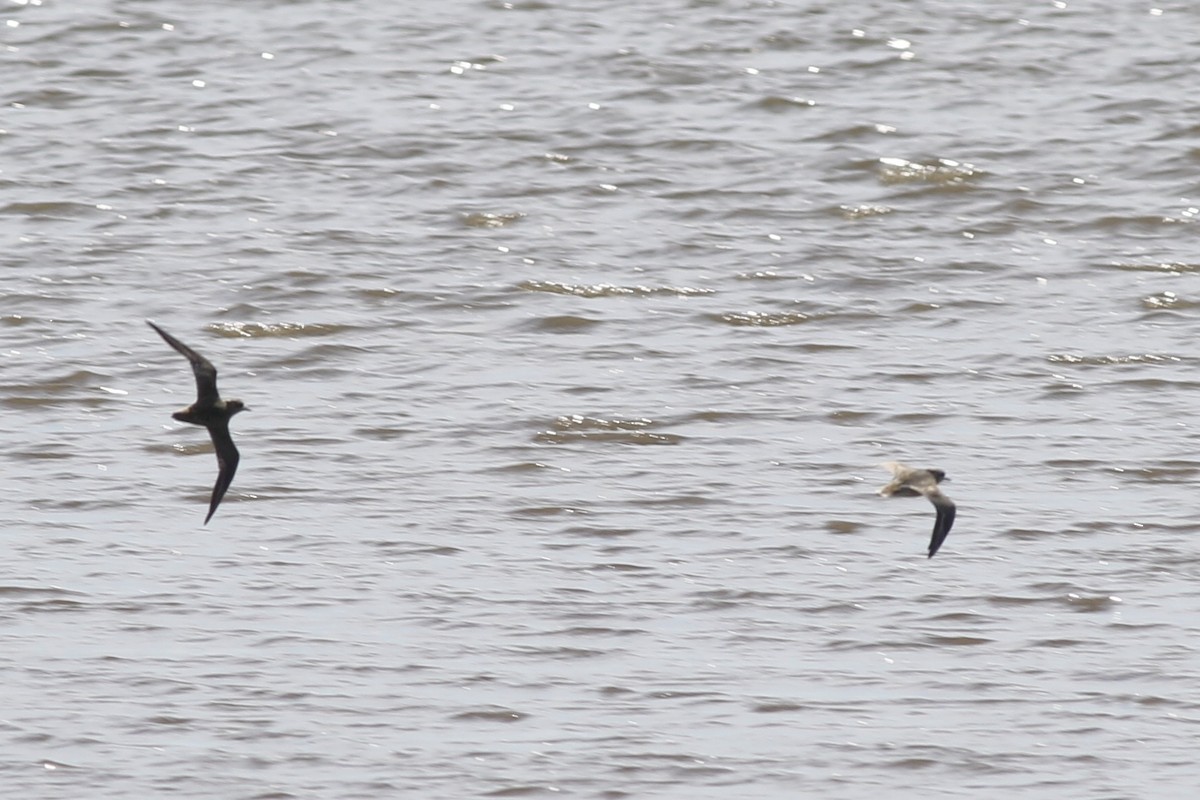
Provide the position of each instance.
(914, 482)
(213, 413)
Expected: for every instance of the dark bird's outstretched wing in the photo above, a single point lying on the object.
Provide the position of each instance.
(227, 463)
(206, 373)
(945, 519)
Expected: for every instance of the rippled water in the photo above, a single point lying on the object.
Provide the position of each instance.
(572, 337)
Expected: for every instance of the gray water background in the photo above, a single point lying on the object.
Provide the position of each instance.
(573, 334)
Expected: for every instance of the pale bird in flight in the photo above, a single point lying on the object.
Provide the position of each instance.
(913, 482)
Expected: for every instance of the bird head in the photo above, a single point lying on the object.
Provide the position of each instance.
(234, 406)
(938, 475)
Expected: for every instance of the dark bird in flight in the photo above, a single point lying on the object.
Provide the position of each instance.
(212, 412)
(912, 482)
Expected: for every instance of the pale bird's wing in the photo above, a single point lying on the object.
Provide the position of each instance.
(895, 483)
(227, 463)
(945, 518)
(206, 373)
(906, 481)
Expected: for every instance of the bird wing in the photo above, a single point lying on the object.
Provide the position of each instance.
(907, 481)
(227, 463)
(206, 373)
(945, 518)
